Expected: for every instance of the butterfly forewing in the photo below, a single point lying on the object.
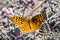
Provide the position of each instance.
(21, 22)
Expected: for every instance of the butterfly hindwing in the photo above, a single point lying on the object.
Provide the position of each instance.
(37, 20)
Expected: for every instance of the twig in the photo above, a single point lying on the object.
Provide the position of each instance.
(36, 7)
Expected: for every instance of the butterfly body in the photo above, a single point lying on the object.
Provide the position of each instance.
(27, 25)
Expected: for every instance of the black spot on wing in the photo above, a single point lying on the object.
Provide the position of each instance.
(34, 19)
(38, 18)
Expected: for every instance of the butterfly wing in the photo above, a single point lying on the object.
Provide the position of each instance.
(37, 20)
(26, 26)
(33, 26)
(21, 22)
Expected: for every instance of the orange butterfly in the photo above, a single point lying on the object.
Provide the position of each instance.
(27, 25)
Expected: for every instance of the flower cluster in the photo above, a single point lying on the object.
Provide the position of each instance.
(27, 3)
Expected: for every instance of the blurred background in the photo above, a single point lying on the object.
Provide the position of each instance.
(50, 28)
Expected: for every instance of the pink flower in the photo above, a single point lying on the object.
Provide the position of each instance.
(7, 11)
(4, 9)
(26, 3)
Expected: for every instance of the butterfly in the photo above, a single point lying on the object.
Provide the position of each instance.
(30, 24)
